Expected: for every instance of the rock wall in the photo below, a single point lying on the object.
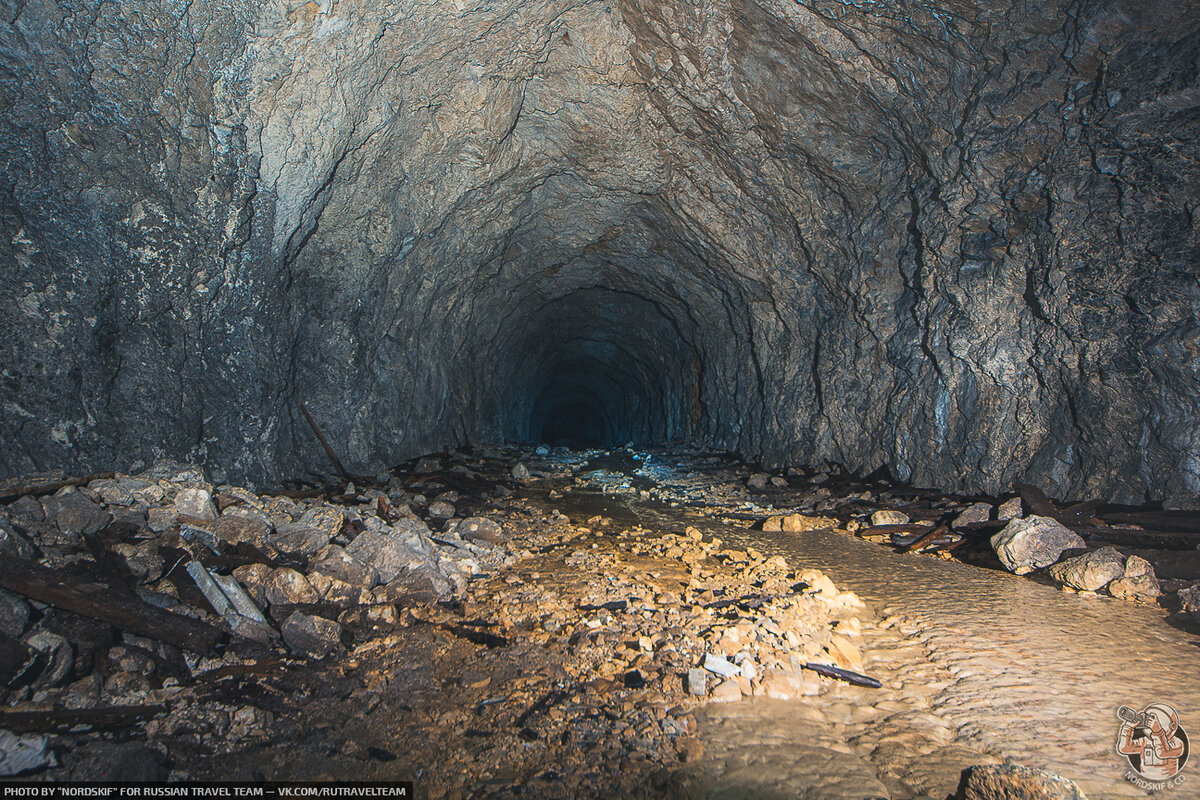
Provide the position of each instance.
(958, 240)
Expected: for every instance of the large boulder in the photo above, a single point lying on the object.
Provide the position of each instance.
(1090, 572)
(1137, 581)
(1015, 782)
(1024, 545)
(481, 530)
(387, 554)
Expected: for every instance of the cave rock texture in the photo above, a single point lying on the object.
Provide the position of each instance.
(956, 238)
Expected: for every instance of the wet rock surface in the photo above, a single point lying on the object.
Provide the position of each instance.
(958, 242)
(650, 641)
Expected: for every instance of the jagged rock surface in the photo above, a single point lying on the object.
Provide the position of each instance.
(957, 239)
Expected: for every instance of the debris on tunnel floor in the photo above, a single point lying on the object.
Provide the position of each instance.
(450, 624)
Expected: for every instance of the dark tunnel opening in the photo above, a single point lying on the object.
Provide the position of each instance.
(576, 425)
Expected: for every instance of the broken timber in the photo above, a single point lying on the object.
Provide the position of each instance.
(105, 604)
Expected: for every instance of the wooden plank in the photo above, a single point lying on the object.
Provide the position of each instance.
(1179, 521)
(64, 721)
(38, 488)
(1035, 501)
(103, 603)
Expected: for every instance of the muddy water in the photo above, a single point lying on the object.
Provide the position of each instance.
(1018, 669)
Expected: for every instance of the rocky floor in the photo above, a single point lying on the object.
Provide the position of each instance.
(510, 623)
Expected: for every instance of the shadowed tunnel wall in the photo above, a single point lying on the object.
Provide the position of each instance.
(957, 239)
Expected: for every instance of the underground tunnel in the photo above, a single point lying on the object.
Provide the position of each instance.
(761, 398)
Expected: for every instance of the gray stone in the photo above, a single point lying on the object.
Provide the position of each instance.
(889, 517)
(1189, 600)
(60, 657)
(720, 666)
(298, 541)
(112, 492)
(309, 635)
(27, 509)
(758, 481)
(972, 514)
(386, 554)
(697, 682)
(335, 562)
(195, 503)
(441, 509)
(1015, 782)
(481, 529)
(421, 585)
(1090, 572)
(24, 754)
(73, 513)
(14, 614)
(519, 473)
(1024, 545)
(13, 543)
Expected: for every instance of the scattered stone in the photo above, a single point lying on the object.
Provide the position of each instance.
(542, 450)
(1009, 509)
(780, 685)
(334, 591)
(758, 481)
(195, 503)
(697, 682)
(74, 513)
(305, 634)
(286, 586)
(520, 472)
(1015, 782)
(13, 543)
(727, 691)
(798, 523)
(235, 529)
(254, 578)
(160, 519)
(21, 754)
(1090, 572)
(326, 519)
(1027, 544)
(297, 540)
(481, 529)
(886, 516)
(386, 554)
(441, 509)
(846, 654)
(27, 509)
(335, 562)
(973, 514)
(60, 657)
(422, 584)
(1189, 600)
(720, 666)
(14, 614)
